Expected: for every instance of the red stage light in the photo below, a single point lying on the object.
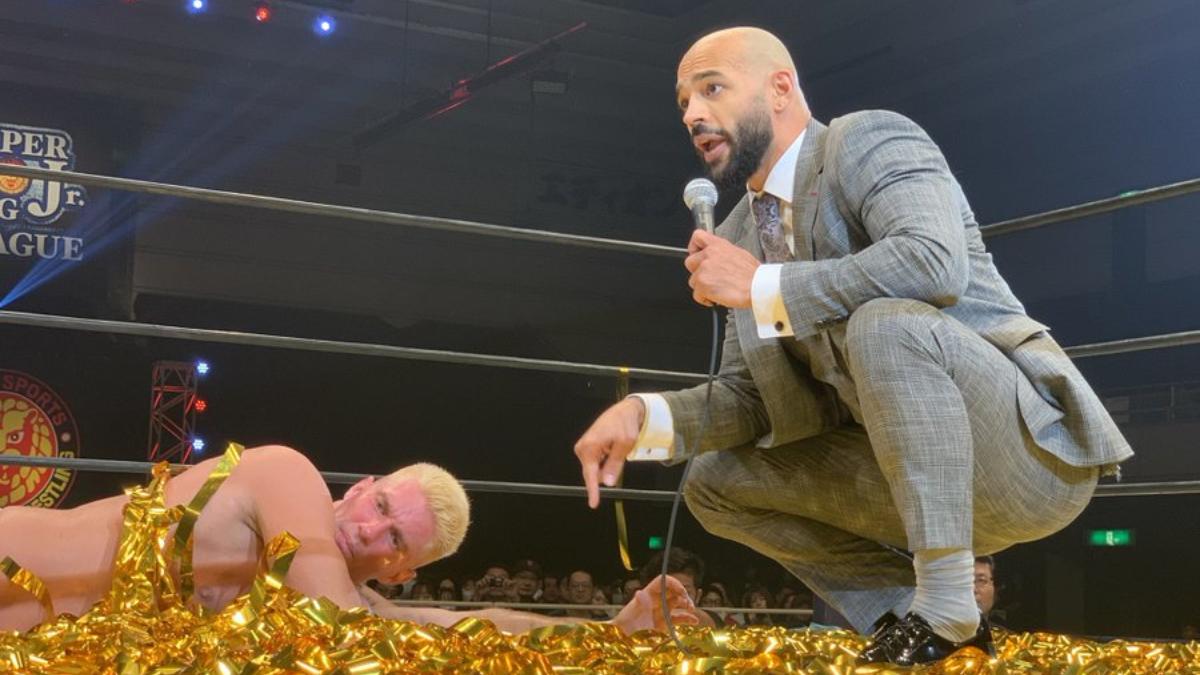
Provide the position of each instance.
(262, 12)
(201, 405)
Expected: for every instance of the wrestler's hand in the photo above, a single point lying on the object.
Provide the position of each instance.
(604, 446)
(721, 271)
(644, 611)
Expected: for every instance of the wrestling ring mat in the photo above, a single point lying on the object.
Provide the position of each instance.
(144, 625)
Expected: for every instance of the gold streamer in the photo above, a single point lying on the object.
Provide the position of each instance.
(28, 582)
(619, 505)
(140, 572)
(191, 513)
(281, 631)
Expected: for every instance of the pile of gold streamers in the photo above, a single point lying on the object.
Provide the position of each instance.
(145, 627)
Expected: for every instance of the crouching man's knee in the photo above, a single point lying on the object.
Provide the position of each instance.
(705, 488)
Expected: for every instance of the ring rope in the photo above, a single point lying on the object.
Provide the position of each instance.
(335, 346)
(230, 198)
(480, 604)
(444, 356)
(486, 229)
(1147, 489)
(1134, 198)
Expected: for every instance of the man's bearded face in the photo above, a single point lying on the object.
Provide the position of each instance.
(747, 146)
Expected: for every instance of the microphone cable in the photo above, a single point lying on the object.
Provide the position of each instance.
(687, 466)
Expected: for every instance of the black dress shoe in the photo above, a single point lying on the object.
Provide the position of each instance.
(911, 641)
(885, 621)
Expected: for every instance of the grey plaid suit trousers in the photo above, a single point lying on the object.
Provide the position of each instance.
(916, 406)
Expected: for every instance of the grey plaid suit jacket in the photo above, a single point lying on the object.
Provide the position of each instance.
(877, 213)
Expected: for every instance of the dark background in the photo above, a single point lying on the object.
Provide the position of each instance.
(1038, 104)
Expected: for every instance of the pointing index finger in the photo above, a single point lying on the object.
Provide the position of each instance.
(591, 478)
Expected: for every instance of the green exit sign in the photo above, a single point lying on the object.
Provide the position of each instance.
(655, 543)
(1110, 537)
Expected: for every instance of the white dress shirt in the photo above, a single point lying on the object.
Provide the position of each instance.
(657, 437)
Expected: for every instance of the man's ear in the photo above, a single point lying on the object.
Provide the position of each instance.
(783, 83)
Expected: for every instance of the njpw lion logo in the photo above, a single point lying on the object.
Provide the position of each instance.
(34, 422)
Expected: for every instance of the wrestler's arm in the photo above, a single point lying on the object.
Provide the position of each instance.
(507, 620)
(641, 613)
(290, 495)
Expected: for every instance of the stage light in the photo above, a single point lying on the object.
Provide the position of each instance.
(202, 367)
(197, 6)
(262, 12)
(200, 405)
(324, 25)
(198, 444)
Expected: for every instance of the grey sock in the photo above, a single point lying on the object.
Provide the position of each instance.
(945, 592)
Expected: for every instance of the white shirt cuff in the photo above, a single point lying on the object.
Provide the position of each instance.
(766, 298)
(657, 436)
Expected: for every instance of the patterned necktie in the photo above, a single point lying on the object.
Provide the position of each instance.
(770, 229)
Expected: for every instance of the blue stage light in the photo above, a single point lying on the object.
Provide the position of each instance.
(202, 367)
(197, 6)
(324, 25)
(198, 444)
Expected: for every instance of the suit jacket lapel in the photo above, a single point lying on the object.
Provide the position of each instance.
(744, 232)
(809, 165)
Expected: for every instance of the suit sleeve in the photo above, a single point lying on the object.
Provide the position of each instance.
(888, 175)
(737, 416)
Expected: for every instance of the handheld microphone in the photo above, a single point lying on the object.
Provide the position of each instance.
(700, 196)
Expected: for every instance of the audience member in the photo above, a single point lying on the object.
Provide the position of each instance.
(550, 591)
(801, 599)
(630, 586)
(495, 586)
(421, 590)
(447, 590)
(985, 583)
(759, 598)
(467, 590)
(686, 567)
(525, 577)
(714, 595)
(985, 590)
(599, 597)
(580, 588)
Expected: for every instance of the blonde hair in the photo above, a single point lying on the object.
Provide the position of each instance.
(447, 502)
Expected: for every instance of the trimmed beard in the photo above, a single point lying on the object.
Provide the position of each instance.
(749, 143)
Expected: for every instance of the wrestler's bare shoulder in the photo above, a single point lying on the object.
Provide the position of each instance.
(260, 471)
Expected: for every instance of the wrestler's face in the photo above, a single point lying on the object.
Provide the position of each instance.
(725, 110)
(385, 530)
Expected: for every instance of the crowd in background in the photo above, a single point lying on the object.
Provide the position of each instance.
(527, 582)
